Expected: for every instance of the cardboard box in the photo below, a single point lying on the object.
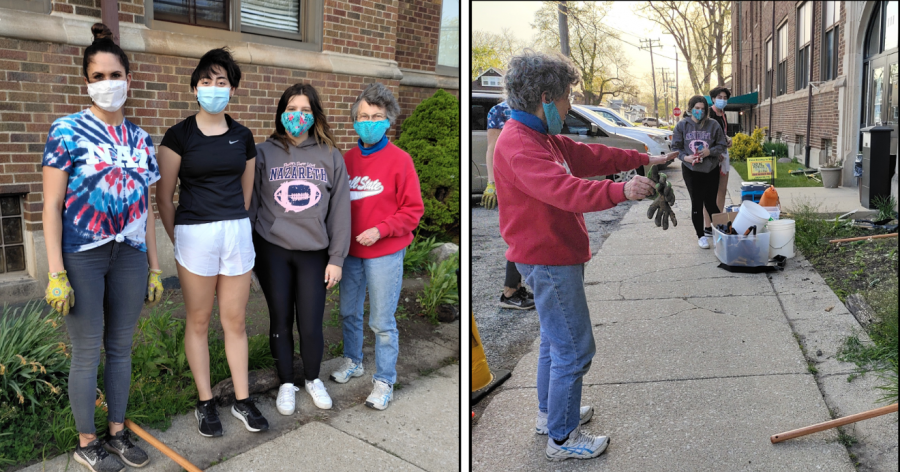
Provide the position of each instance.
(723, 218)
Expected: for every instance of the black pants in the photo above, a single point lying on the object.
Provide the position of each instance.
(293, 282)
(513, 277)
(703, 188)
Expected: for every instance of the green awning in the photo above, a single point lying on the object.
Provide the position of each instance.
(739, 102)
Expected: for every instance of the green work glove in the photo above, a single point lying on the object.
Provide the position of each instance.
(60, 295)
(154, 288)
(661, 207)
(489, 197)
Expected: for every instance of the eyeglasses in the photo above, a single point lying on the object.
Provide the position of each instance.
(377, 117)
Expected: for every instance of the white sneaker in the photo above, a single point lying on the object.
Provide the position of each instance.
(703, 242)
(381, 395)
(585, 413)
(285, 403)
(348, 370)
(316, 390)
(578, 446)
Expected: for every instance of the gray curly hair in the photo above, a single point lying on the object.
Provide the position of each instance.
(379, 95)
(532, 73)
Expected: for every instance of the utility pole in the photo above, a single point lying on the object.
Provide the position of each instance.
(664, 71)
(652, 70)
(677, 102)
(564, 28)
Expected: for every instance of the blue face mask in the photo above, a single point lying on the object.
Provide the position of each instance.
(698, 114)
(297, 123)
(554, 122)
(213, 99)
(370, 132)
(720, 104)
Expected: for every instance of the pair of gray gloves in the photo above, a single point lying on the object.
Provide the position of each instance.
(664, 199)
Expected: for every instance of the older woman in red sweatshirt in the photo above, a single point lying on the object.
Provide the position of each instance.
(385, 207)
(540, 177)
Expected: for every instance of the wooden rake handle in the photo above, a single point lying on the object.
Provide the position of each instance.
(877, 236)
(777, 438)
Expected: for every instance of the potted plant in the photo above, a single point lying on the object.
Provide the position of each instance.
(831, 171)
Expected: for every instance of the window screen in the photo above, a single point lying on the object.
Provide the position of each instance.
(281, 15)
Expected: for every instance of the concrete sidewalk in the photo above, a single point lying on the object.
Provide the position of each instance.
(697, 367)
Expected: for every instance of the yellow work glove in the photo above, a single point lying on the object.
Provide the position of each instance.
(489, 197)
(60, 295)
(154, 288)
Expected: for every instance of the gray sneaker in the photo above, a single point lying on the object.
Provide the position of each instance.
(578, 446)
(122, 446)
(348, 370)
(95, 458)
(585, 413)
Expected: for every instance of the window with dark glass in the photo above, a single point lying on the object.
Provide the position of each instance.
(804, 26)
(831, 40)
(781, 73)
(12, 240)
(769, 68)
(211, 13)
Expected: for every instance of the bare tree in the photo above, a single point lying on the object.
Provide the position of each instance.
(493, 50)
(702, 32)
(594, 49)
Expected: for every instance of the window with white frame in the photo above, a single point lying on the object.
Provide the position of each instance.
(781, 72)
(490, 81)
(830, 39)
(769, 67)
(448, 46)
(804, 43)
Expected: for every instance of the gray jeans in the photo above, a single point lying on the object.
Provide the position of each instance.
(110, 283)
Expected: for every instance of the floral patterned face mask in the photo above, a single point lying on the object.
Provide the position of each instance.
(296, 122)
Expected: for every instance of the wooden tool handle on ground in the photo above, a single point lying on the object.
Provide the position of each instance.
(892, 235)
(833, 423)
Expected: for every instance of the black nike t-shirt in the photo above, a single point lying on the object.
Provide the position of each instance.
(211, 170)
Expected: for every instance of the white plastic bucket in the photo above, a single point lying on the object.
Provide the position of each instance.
(781, 238)
(750, 214)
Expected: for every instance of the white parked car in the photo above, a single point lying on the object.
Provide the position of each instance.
(655, 142)
(619, 120)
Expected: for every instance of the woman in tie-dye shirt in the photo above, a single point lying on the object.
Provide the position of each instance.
(97, 172)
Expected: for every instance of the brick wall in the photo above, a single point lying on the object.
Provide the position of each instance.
(419, 34)
(130, 11)
(360, 27)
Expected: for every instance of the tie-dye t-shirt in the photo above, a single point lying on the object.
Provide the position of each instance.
(498, 115)
(110, 171)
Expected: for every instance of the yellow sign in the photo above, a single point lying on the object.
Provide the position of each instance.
(761, 168)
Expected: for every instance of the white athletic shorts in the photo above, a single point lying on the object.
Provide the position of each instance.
(217, 248)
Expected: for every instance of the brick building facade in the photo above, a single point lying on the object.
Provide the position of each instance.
(340, 46)
(834, 36)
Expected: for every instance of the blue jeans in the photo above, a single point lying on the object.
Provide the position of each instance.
(384, 278)
(110, 283)
(567, 342)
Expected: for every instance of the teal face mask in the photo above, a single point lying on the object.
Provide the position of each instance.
(297, 123)
(698, 114)
(370, 132)
(554, 122)
(213, 99)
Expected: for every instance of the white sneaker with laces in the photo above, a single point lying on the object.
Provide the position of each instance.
(286, 402)
(316, 390)
(578, 446)
(381, 395)
(585, 413)
(348, 370)
(703, 242)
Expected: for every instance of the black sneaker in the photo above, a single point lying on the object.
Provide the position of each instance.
(247, 412)
(122, 446)
(525, 293)
(707, 232)
(517, 301)
(208, 419)
(95, 458)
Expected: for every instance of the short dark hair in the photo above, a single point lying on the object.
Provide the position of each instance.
(220, 57)
(718, 90)
(103, 42)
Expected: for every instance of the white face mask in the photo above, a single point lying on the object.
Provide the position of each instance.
(109, 95)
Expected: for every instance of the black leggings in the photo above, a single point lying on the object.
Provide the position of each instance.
(513, 277)
(293, 282)
(703, 188)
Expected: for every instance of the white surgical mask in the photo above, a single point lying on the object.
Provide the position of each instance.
(108, 95)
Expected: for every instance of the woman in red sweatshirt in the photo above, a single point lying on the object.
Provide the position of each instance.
(385, 207)
(540, 177)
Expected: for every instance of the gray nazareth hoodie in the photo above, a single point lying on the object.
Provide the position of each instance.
(689, 136)
(301, 198)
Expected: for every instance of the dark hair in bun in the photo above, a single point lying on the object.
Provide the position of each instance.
(103, 42)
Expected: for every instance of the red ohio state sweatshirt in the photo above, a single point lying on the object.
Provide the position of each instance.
(384, 194)
(542, 192)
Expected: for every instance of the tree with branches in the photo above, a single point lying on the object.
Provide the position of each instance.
(493, 50)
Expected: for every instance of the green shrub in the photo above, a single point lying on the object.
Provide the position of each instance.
(743, 146)
(34, 362)
(418, 254)
(780, 149)
(441, 288)
(431, 136)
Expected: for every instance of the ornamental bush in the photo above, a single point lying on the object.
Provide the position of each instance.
(743, 146)
(431, 137)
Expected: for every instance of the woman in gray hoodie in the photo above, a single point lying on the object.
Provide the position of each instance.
(700, 141)
(301, 216)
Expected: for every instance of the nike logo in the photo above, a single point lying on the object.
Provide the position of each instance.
(359, 194)
(232, 142)
(92, 461)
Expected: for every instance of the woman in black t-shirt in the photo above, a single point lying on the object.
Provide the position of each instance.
(214, 157)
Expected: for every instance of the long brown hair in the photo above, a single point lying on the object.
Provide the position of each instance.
(321, 130)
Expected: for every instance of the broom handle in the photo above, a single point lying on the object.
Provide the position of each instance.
(776, 438)
(892, 235)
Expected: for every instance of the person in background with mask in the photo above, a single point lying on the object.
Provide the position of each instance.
(719, 96)
(541, 180)
(700, 142)
(214, 157)
(385, 207)
(101, 244)
(301, 217)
